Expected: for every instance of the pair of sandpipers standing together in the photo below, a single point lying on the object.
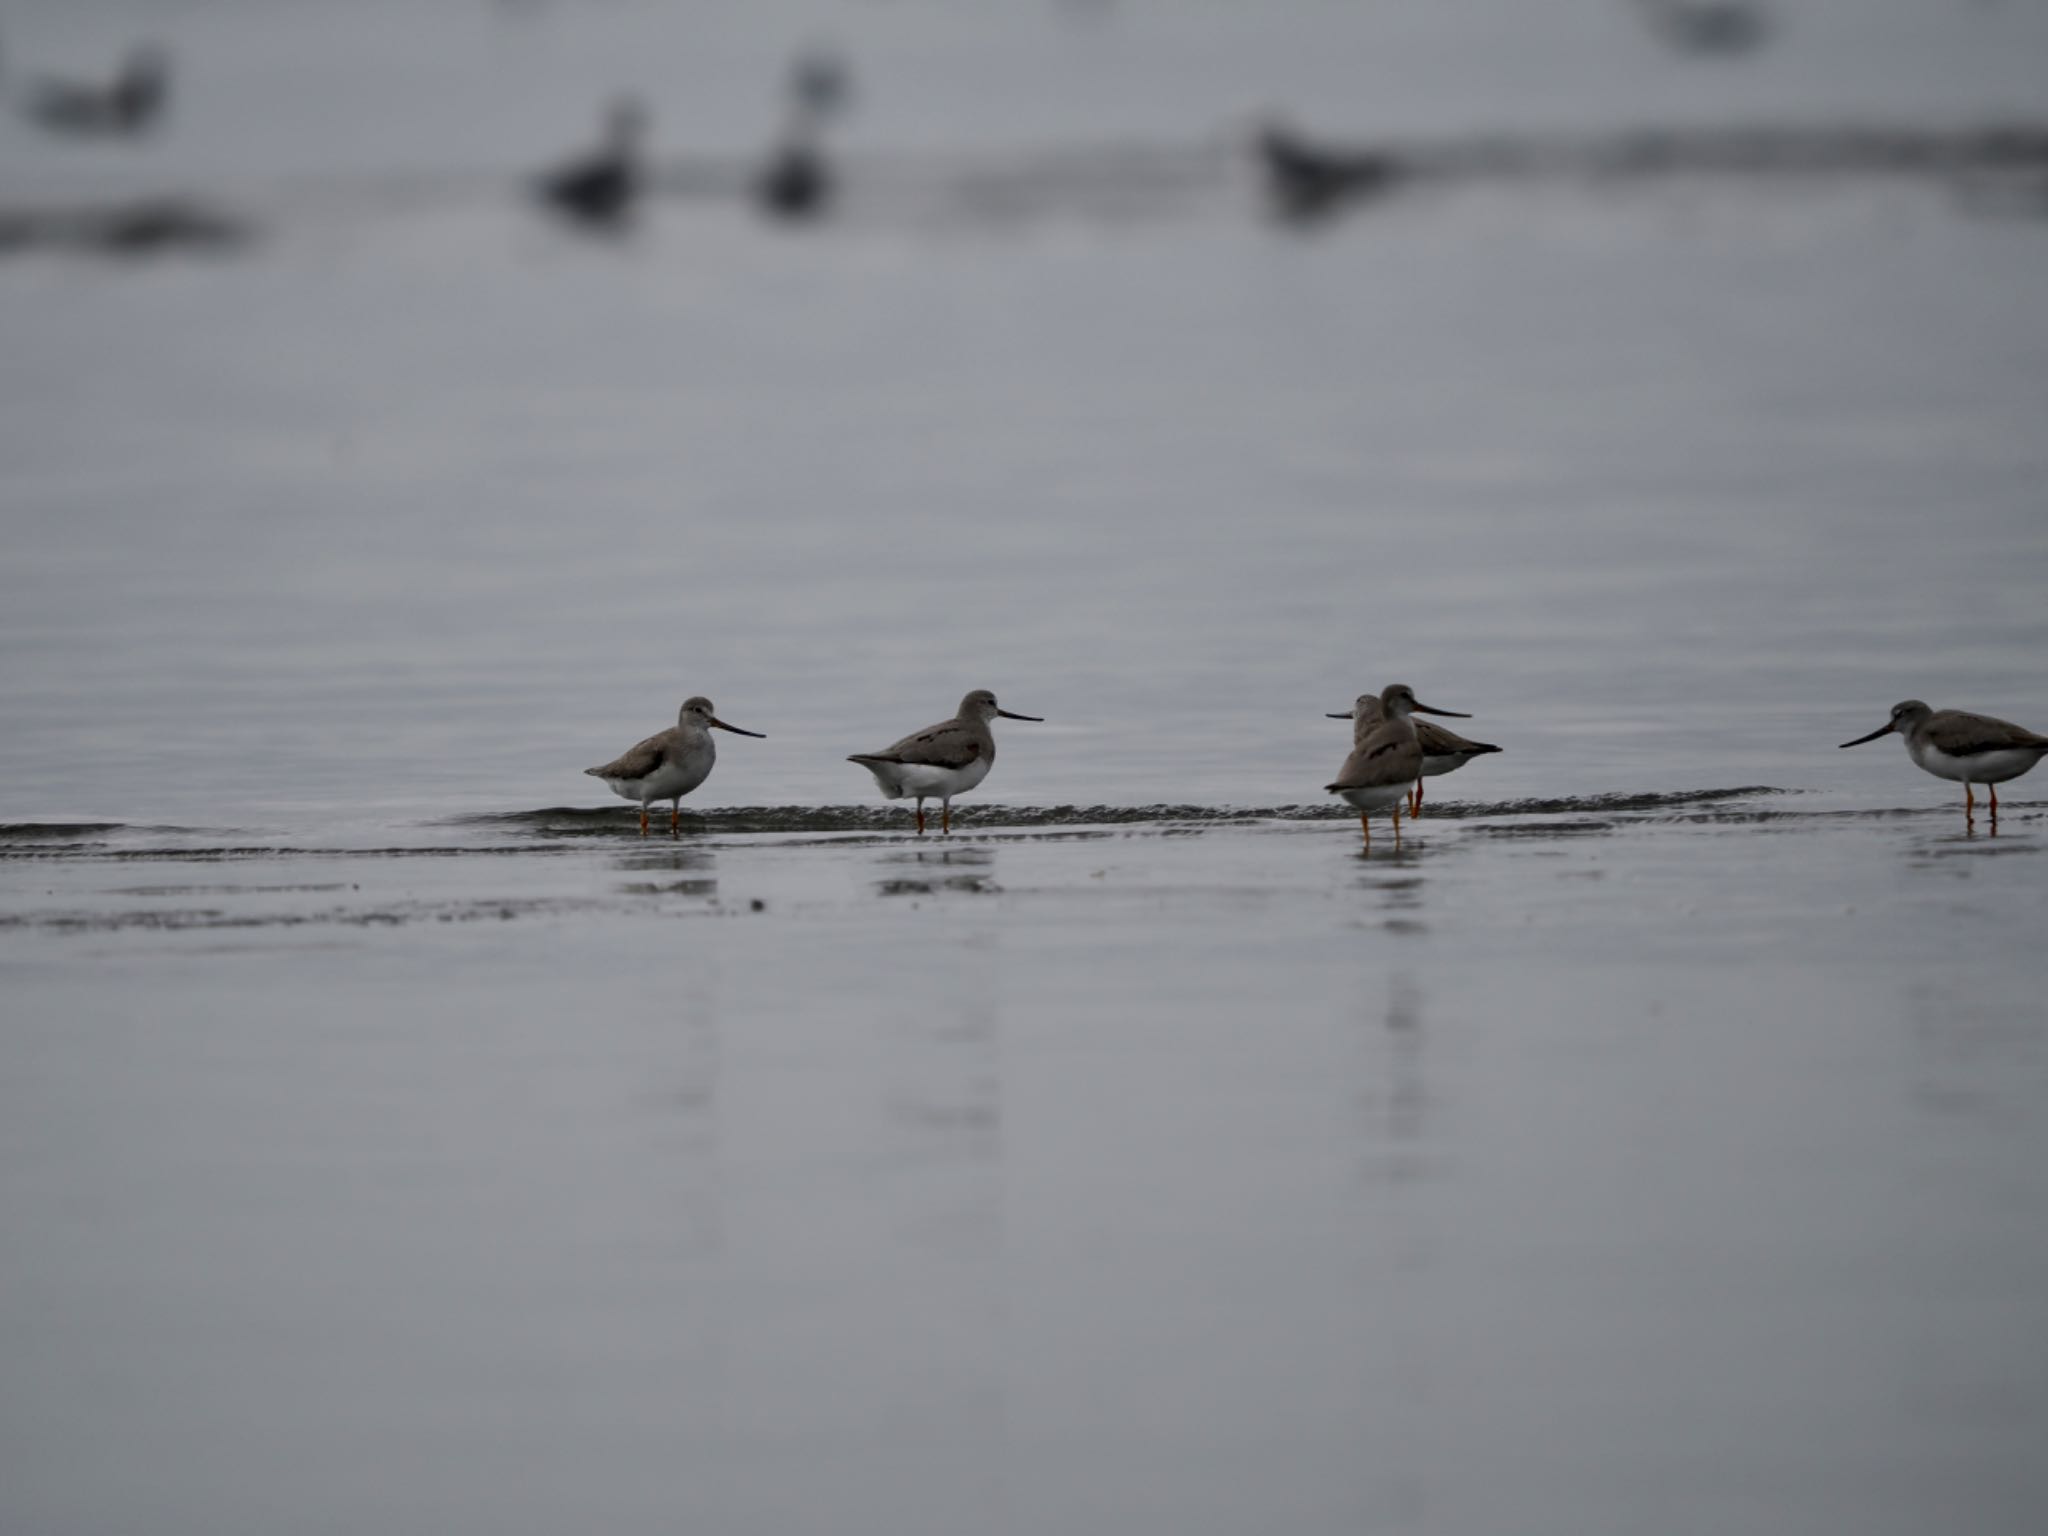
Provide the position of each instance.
(935, 763)
(1391, 754)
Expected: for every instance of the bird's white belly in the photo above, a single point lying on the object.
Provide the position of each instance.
(1978, 767)
(1376, 797)
(668, 782)
(924, 780)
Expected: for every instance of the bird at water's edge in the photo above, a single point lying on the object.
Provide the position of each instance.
(1443, 749)
(127, 105)
(1974, 749)
(1385, 760)
(600, 190)
(941, 760)
(669, 764)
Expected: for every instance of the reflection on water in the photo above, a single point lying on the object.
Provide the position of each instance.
(930, 872)
(1396, 1099)
(1957, 852)
(1401, 1167)
(697, 868)
(699, 1046)
(944, 1086)
(691, 887)
(1399, 883)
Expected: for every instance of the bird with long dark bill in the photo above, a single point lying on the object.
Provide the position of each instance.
(1385, 759)
(941, 760)
(1443, 749)
(669, 764)
(1972, 749)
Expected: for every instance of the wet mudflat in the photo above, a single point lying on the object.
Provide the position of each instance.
(1152, 1174)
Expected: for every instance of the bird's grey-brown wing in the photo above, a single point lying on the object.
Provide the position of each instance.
(949, 744)
(1372, 763)
(1440, 742)
(1964, 735)
(639, 761)
(1351, 774)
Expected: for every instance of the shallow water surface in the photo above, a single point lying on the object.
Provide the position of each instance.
(390, 1139)
(1160, 1173)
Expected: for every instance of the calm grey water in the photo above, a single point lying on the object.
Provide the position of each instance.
(389, 1140)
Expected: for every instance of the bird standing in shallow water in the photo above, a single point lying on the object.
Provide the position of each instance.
(1386, 758)
(129, 104)
(1443, 749)
(600, 190)
(797, 181)
(941, 760)
(668, 765)
(1975, 749)
(1307, 180)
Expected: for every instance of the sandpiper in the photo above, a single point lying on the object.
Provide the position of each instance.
(1975, 749)
(669, 764)
(941, 760)
(1307, 179)
(1386, 758)
(1443, 749)
(600, 190)
(128, 104)
(797, 181)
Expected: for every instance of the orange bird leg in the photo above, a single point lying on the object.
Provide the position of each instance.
(920, 818)
(1415, 801)
(1994, 800)
(1365, 821)
(946, 816)
(1969, 799)
(675, 820)
(643, 821)
(1397, 824)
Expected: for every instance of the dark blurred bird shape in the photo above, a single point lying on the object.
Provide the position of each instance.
(129, 104)
(600, 190)
(148, 227)
(820, 83)
(1710, 28)
(797, 181)
(1307, 180)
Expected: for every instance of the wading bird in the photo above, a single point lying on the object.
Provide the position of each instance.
(941, 760)
(669, 764)
(600, 190)
(128, 104)
(1385, 759)
(1443, 749)
(1974, 749)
